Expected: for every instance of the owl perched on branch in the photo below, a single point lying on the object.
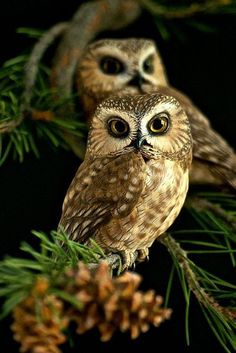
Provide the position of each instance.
(134, 178)
(134, 66)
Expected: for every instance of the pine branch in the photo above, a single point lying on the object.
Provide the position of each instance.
(34, 60)
(189, 10)
(18, 276)
(175, 19)
(78, 32)
(42, 121)
(189, 269)
(49, 291)
(222, 320)
(215, 214)
(200, 204)
(20, 90)
(89, 20)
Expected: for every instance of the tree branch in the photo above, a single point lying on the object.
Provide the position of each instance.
(171, 12)
(31, 70)
(194, 284)
(200, 204)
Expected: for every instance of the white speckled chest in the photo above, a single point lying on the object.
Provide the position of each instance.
(166, 186)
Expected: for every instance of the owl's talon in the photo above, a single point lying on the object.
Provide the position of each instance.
(128, 259)
(143, 255)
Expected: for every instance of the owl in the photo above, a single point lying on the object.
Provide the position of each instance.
(134, 66)
(134, 178)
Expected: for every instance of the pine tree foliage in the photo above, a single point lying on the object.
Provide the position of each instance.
(51, 289)
(214, 235)
(18, 275)
(41, 122)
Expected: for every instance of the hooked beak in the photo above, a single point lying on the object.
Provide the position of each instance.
(139, 141)
(137, 80)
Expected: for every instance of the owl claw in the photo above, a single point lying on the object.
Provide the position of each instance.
(128, 259)
(143, 254)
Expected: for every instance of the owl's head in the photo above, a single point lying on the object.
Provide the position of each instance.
(154, 125)
(110, 65)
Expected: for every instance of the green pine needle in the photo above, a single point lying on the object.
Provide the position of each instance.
(30, 32)
(174, 19)
(213, 235)
(24, 138)
(18, 275)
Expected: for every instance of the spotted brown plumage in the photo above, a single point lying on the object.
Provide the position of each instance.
(135, 66)
(134, 179)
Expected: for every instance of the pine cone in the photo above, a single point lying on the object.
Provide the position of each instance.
(113, 303)
(38, 321)
(110, 304)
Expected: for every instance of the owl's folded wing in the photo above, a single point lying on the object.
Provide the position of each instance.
(209, 147)
(101, 190)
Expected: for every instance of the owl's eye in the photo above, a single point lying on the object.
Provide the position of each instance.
(111, 66)
(148, 65)
(118, 127)
(159, 124)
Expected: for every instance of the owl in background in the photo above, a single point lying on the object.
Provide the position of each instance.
(134, 66)
(109, 66)
(134, 178)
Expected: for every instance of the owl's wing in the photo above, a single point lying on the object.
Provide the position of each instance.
(101, 190)
(209, 147)
(212, 150)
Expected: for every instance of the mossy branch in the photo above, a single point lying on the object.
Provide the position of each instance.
(185, 11)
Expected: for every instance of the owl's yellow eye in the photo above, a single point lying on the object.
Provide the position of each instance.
(111, 66)
(148, 65)
(118, 127)
(159, 124)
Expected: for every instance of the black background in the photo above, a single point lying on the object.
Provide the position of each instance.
(31, 193)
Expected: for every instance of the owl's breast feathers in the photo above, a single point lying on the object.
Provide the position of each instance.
(123, 203)
(103, 188)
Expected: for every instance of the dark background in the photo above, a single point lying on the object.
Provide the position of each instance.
(31, 193)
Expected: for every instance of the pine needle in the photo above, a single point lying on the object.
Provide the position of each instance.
(23, 138)
(17, 275)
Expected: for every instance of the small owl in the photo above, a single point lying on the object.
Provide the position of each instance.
(109, 66)
(134, 178)
(134, 66)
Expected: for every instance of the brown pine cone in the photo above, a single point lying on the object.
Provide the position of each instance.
(114, 303)
(38, 321)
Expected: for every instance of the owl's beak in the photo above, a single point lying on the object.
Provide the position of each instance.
(140, 141)
(137, 80)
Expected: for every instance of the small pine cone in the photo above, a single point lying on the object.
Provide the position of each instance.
(112, 304)
(38, 322)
